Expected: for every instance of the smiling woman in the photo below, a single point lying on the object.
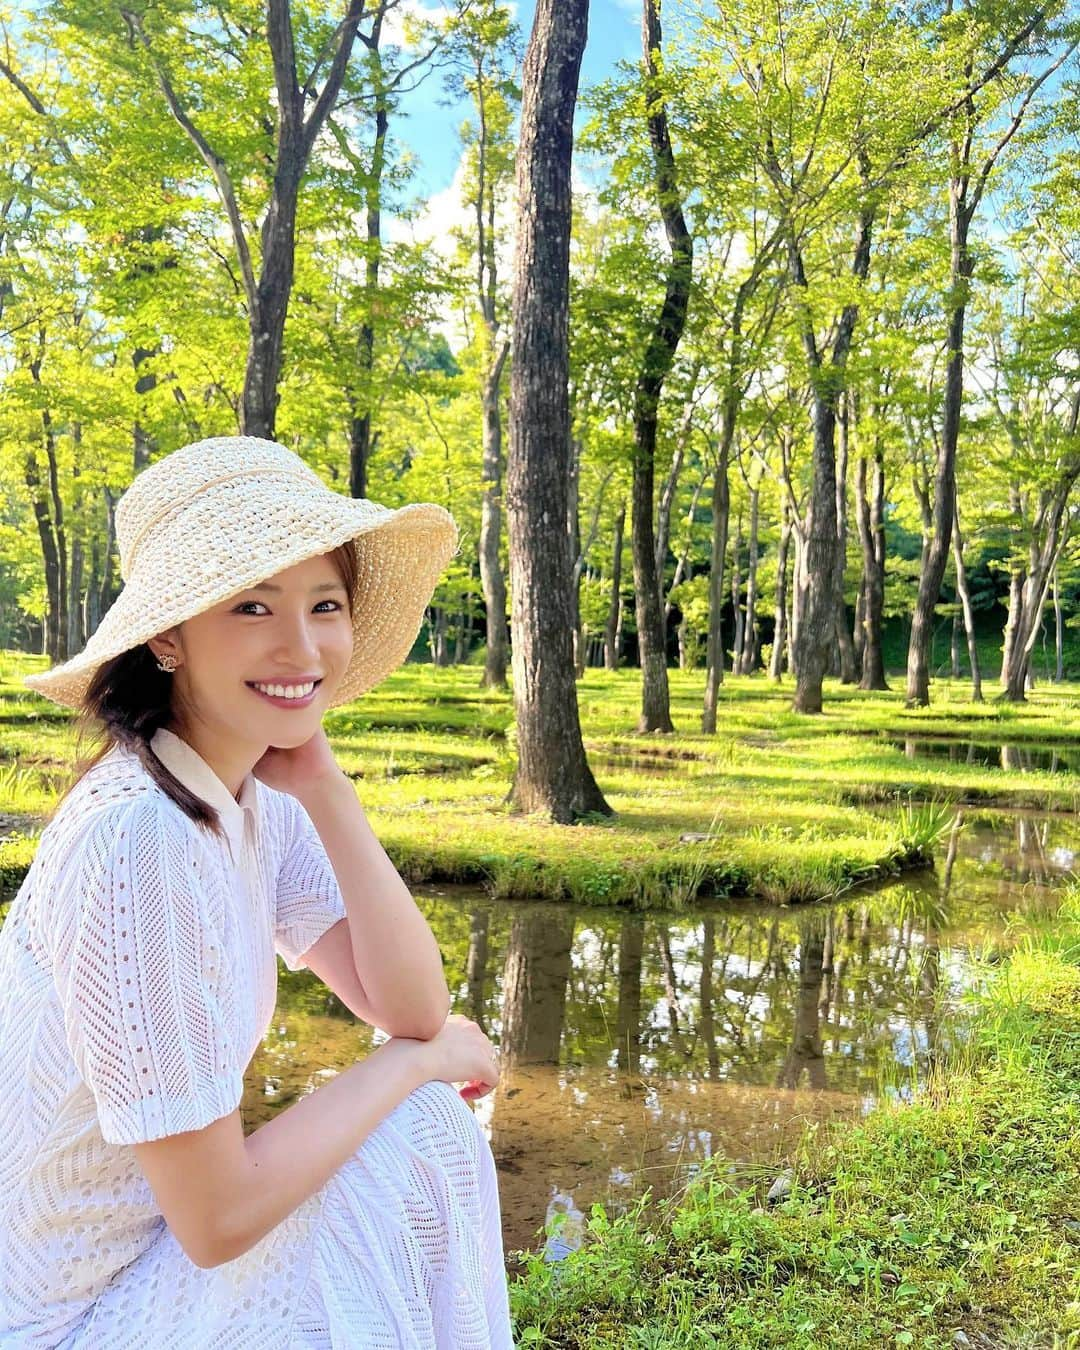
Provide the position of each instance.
(213, 830)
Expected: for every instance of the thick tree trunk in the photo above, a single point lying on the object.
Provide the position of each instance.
(819, 578)
(611, 630)
(552, 774)
(659, 355)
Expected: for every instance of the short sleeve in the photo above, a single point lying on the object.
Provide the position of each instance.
(145, 987)
(309, 899)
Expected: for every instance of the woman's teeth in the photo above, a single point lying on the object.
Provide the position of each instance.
(285, 690)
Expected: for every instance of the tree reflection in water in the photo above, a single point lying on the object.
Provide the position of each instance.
(635, 1045)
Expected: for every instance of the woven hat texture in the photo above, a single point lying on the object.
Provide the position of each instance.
(216, 516)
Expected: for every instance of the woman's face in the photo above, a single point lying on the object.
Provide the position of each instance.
(288, 630)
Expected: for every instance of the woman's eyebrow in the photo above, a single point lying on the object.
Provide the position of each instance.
(276, 590)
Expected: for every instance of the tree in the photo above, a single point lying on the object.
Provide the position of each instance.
(488, 41)
(552, 774)
(983, 63)
(266, 269)
(659, 354)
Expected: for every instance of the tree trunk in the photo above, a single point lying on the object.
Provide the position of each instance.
(870, 517)
(776, 661)
(933, 569)
(659, 355)
(267, 295)
(748, 659)
(611, 630)
(844, 644)
(552, 774)
(535, 977)
(736, 598)
(965, 601)
(1059, 633)
(714, 647)
(492, 581)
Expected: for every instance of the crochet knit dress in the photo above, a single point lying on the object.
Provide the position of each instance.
(137, 978)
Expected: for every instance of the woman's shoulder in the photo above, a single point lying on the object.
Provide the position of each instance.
(117, 798)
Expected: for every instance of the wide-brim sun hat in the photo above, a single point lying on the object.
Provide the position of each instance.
(214, 517)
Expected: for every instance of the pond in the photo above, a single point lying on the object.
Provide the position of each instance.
(1018, 758)
(634, 1046)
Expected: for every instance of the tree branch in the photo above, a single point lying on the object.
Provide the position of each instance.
(210, 157)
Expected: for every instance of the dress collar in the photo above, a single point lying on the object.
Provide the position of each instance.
(186, 764)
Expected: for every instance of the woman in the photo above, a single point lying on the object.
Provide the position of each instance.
(138, 969)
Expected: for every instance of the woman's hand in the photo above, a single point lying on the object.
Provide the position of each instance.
(301, 770)
(461, 1053)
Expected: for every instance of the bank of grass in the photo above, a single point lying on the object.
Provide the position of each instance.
(951, 1220)
(774, 806)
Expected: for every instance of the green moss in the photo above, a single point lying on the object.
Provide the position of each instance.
(791, 805)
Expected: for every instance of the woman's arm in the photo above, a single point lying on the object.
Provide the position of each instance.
(396, 956)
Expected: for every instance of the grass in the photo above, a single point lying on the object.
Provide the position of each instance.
(951, 1220)
(775, 806)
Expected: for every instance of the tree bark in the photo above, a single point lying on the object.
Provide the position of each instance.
(552, 775)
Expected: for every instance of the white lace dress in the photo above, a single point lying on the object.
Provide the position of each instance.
(137, 978)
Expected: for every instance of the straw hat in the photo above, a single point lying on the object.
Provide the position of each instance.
(216, 516)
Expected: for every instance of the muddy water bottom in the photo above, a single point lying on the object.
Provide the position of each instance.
(635, 1046)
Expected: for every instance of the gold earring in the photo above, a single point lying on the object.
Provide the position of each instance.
(167, 663)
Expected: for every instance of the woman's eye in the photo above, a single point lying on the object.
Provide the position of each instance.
(244, 605)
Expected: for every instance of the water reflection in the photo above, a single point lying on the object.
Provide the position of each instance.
(633, 1046)
(1018, 758)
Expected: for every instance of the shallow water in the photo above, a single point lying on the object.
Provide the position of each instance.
(1023, 758)
(635, 1046)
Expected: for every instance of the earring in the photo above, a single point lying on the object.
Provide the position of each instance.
(167, 663)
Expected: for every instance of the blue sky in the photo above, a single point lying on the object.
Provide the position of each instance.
(429, 128)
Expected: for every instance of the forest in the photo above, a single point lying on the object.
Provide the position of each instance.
(735, 764)
(823, 379)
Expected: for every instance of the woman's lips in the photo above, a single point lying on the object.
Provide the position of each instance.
(286, 702)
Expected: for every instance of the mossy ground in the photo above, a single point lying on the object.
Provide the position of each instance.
(783, 798)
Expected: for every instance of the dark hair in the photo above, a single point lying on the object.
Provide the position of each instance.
(129, 698)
